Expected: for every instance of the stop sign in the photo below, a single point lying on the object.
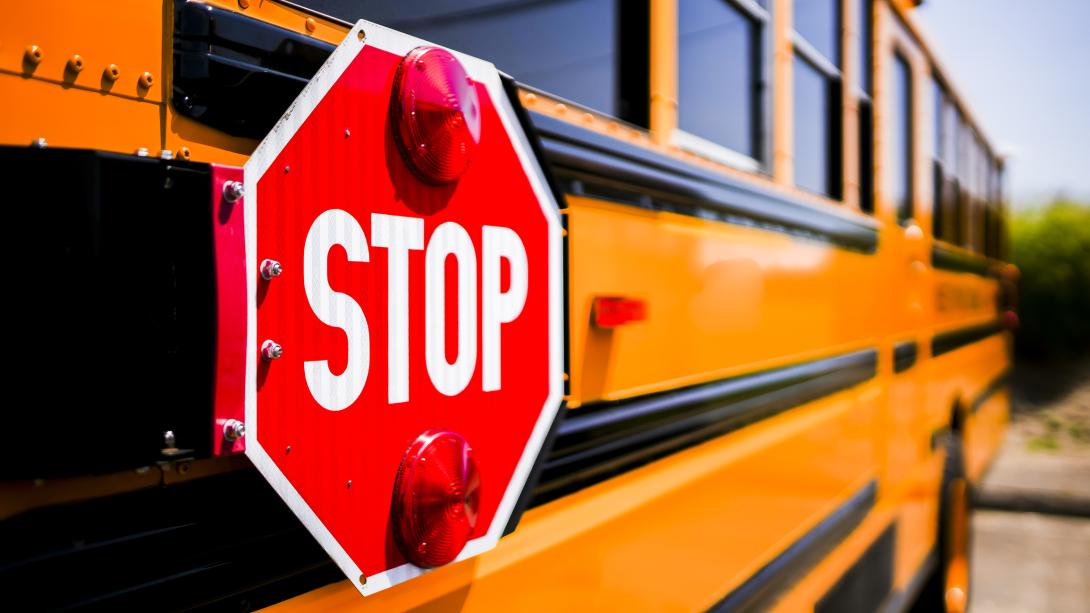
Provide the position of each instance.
(404, 328)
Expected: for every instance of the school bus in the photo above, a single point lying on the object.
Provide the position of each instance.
(790, 195)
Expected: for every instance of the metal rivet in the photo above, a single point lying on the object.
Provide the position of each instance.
(39, 143)
(142, 152)
(561, 108)
(363, 579)
(530, 98)
(146, 80)
(243, 4)
(271, 350)
(234, 429)
(34, 54)
(185, 153)
(111, 73)
(287, 449)
(361, 35)
(75, 63)
(232, 190)
(166, 154)
(168, 439)
(349, 484)
(287, 169)
(311, 24)
(270, 269)
(347, 132)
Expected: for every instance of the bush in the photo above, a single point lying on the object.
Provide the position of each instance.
(1051, 247)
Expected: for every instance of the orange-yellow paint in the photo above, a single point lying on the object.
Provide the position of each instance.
(723, 300)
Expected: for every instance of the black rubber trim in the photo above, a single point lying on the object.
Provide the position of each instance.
(762, 589)
(601, 440)
(603, 167)
(946, 342)
(945, 258)
(868, 583)
(996, 384)
(238, 74)
(904, 356)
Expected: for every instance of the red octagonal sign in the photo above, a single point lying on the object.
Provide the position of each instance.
(403, 255)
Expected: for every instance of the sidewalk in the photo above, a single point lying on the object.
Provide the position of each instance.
(1031, 541)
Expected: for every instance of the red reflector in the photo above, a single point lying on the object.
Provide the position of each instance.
(1010, 320)
(436, 498)
(610, 312)
(436, 114)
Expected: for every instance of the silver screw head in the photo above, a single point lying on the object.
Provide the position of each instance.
(39, 143)
(166, 154)
(168, 439)
(234, 429)
(142, 152)
(271, 350)
(232, 190)
(270, 269)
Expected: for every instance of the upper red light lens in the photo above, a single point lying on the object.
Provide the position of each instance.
(436, 498)
(436, 114)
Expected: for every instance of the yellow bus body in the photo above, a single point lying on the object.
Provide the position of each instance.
(724, 300)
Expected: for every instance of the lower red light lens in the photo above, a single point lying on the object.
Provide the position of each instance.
(436, 498)
(436, 114)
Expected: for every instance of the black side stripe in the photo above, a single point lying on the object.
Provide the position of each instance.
(956, 339)
(996, 384)
(598, 165)
(762, 589)
(598, 441)
(904, 356)
(945, 258)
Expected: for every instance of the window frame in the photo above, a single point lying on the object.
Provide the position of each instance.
(761, 64)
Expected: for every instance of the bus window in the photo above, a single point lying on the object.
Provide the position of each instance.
(570, 48)
(817, 82)
(719, 65)
(864, 14)
(901, 138)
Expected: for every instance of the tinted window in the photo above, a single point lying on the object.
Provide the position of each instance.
(901, 138)
(717, 74)
(866, 157)
(813, 142)
(565, 47)
(818, 21)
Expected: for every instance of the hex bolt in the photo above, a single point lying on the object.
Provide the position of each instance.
(270, 269)
(233, 430)
(271, 350)
(232, 190)
(168, 439)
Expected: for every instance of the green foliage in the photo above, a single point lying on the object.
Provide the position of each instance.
(1051, 247)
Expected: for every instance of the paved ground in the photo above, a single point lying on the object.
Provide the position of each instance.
(1033, 562)
(1028, 563)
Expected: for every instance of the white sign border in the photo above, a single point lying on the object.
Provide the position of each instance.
(270, 147)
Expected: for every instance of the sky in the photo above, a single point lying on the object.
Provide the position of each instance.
(1023, 69)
